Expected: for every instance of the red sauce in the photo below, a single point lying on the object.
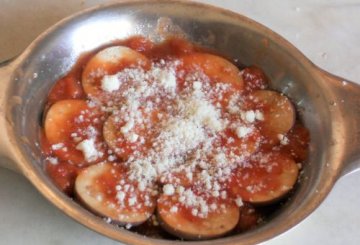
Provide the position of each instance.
(69, 87)
(64, 175)
(297, 148)
(258, 180)
(107, 184)
(254, 79)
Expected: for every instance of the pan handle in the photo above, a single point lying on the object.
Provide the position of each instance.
(347, 98)
(6, 159)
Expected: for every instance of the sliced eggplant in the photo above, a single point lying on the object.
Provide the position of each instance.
(116, 140)
(270, 177)
(181, 222)
(105, 190)
(63, 175)
(180, 179)
(218, 69)
(70, 122)
(278, 114)
(124, 138)
(108, 62)
(240, 141)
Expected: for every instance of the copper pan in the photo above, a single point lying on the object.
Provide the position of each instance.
(328, 106)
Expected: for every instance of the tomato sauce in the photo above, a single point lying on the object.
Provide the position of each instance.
(68, 87)
(64, 175)
(108, 184)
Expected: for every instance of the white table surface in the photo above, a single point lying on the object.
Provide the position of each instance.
(326, 31)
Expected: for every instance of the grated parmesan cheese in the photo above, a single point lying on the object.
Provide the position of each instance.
(239, 202)
(57, 146)
(133, 137)
(283, 139)
(259, 115)
(197, 85)
(250, 116)
(132, 201)
(120, 196)
(127, 127)
(53, 160)
(88, 149)
(169, 189)
(242, 131)
(166, 77)
(110, 83)
(173, 209)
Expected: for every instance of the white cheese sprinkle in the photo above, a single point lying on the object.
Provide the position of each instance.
(259, 115)
(53, 160)
(250, 116)
(88, 149)
(166, 78)
(57, 146)
(173, 209)
(194, 212)
(239, 202)
(169, 189)
(110, 83)
(242, 131)
(127, 127)
(133, 137)
(197, 85)
(132, 201)
(283, 139)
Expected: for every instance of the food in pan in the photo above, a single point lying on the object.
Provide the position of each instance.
(172, 138)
